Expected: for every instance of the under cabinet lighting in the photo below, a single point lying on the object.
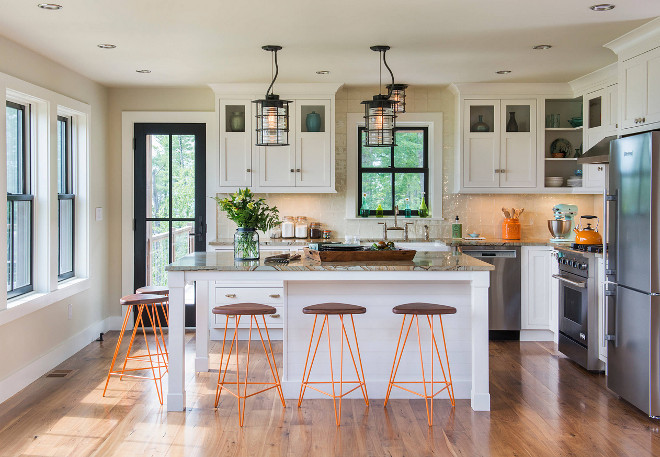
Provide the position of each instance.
(50, 6)
(602, 7)
(106, 46)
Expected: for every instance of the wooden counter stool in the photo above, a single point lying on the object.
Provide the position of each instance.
(414, 310)
(164, 305)
(327, 310)
(253, 310)
(156, 360)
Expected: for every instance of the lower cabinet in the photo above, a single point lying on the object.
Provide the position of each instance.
(538, 294)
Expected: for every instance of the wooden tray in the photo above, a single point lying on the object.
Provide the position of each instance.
(360, 256)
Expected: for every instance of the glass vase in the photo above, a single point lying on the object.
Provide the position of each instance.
(512, 125)
(246, 244)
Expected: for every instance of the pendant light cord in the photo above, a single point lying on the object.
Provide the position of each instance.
(277, 70)
(389, 91)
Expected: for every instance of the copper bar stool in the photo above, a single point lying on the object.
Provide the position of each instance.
(253, 310)
(157, 360)
(327, 310)
(164, 306)
(414, 310)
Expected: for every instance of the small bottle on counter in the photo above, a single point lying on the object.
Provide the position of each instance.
(275, 232)
(379, 210)
(327, 234)
(457, 229)
(288, 227)
(315, 231)
(301, 227)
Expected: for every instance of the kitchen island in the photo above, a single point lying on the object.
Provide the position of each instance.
(447, 278)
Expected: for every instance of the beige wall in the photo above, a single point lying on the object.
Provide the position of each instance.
(481, 213)
(29, 338)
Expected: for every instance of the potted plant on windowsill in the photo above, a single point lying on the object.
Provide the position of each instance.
(250, 214)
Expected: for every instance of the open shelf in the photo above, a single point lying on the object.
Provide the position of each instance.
(561, 158)
(563, 129)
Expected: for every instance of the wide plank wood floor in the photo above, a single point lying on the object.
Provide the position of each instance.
(542, 405)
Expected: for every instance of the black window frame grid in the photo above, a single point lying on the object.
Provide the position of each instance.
(392, 170)
(25, 195)
(65, 193)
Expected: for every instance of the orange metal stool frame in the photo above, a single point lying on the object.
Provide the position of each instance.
(428, 310)
(141, 302)
(165, 307)
(339, 309)
(253, 310)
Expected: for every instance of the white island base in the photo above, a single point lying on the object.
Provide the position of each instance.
(466, 332)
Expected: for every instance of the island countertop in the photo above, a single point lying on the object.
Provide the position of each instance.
(423, 261)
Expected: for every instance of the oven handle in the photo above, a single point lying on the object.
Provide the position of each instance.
(582, 284)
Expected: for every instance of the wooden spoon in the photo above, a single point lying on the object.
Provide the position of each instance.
(506, 213)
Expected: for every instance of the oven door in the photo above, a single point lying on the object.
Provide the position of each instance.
(573, 306)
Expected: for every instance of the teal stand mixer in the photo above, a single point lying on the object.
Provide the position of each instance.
(561, 227)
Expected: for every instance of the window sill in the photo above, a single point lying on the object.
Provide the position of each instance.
(25, 304)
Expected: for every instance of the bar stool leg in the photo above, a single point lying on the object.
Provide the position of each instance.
(395, 364)
(224, 373)
(332, 378)
(121, 336)
(421, 359)
(303, 386)
(153, 370)
(273, 366)
(450, 384)
(218, 387)
(138, 309)
(363, 386)
(162, 337)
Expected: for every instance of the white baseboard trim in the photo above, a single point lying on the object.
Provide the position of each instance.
(22, 378)
(537, 335)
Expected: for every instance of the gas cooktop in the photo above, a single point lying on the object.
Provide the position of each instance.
(595, 248)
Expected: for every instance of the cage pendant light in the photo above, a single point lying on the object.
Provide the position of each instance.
(398, 92)
(272, 113)
(379, 115)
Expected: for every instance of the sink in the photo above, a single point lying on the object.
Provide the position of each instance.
(423, 245)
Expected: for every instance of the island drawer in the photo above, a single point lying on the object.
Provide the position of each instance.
(264, 295)
(272, 320)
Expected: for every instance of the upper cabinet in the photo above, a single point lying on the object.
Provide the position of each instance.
(307, 164)
(600, 114)
(499, 144)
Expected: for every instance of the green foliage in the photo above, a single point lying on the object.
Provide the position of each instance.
(248, 212)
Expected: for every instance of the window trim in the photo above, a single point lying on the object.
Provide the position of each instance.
(434, 122)
(393, 170)
(66, 168)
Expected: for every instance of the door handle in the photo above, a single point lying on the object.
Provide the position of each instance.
(230, 295)
(274, 316)
(607, 336)
(579, 284)
(274, 295)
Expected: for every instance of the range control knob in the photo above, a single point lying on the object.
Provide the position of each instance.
(582, 266)
(571, 263)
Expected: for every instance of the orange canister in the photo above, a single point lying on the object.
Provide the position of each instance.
(511, 229)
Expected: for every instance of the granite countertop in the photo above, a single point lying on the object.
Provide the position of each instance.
(497, 242)
(423, 261)
(448, 241)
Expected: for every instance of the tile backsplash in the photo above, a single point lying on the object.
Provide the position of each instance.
(478, 212)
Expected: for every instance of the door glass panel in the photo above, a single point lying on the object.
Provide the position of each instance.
(378, 190)
(312, 118)
(573, 305)
(517, 118)
(158, 253)
(158, 179)
(183, 242)
(183, 176)
(595, 112)
(482, 118)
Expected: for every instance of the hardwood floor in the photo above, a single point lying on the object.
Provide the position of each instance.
(542, 405)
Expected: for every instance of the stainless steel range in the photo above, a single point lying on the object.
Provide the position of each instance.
(578, 307)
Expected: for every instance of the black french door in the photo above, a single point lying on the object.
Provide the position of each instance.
(169, 189)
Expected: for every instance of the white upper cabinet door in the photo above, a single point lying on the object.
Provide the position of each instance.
(277, 166)
(235, 164)
(518, 143)
(653, 90)
(634, 78)
(481, 143)
(314, 143)
(613, 97)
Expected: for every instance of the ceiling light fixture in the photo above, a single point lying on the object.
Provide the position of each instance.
(272, 113)
(602, 7)
(379, 115)
(398, 92)
(503, 72)
(50, 6)
(542, 46)
(323, 72)
(143, 71)
(106, 46)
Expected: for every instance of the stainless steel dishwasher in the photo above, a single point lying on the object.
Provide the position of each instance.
(504, 291)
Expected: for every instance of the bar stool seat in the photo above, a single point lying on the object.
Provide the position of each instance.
(326, 310)
(334, 309)
(156, 290)
(143, 303)
(253, 310)
(428, 310)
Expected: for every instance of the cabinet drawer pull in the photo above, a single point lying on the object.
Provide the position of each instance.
(230, 295)
(274, 316)
(274, 295)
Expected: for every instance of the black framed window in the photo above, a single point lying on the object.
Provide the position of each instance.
(19, 201)
(387, 176)
(65, 200)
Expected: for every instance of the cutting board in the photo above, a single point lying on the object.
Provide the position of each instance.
(360, 256)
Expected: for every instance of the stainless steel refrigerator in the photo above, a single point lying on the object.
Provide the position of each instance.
(632, 298)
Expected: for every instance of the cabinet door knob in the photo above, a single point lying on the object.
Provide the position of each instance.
(248, 170)
(298, 170)
(274, 295)
(600, 168)
(274, 316)
(293, 171)
(643, 119)
(230, 295)
(497, 170)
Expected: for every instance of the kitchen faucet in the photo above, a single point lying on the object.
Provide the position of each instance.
(396, 226)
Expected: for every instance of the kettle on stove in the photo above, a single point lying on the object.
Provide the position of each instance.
(587, 235)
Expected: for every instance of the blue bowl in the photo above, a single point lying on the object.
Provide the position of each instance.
(473, 235)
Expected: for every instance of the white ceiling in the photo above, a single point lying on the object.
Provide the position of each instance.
(196, 42)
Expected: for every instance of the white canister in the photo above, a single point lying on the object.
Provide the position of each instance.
(288, 227)
(301, 227)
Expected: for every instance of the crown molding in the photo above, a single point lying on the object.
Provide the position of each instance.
(282, 89)
(603, 77)
(637, 41)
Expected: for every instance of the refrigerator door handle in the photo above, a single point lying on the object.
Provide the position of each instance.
(610, 298)
(606, 231)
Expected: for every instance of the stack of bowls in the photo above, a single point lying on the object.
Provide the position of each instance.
(554, 181)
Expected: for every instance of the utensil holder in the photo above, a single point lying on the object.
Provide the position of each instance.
(511, 229)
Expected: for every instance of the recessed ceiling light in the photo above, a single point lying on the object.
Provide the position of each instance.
(542, 46)
(602, 7)
(143, 71)
(49, 6)
(503, 72)
(106, 46)
(323, 72)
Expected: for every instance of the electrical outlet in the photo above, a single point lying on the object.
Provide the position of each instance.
(70, 311)
(99, 214)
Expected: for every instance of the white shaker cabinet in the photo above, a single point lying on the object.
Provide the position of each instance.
(537, 311)
(641, 92)
(594, 175)
(313, 148)
(235, 149)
